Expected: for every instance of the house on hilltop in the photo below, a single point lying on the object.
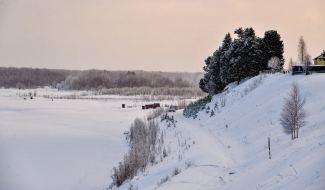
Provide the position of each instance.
(319, 60)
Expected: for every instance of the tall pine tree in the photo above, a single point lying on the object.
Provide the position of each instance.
(206, 78)
(271, 46)
(225, 62)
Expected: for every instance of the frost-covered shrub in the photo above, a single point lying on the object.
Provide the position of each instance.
(132, 188)
(163, 180)
(188, 164)
(212, 113)
(176, 171)
(254, 84)
(182, 104)
(156, 113)
(207, 110)
(169, 120)
(223, 100)
(165, 153)
(142, 143)
(194, 107)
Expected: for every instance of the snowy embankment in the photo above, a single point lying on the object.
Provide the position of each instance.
(74, 144)
(231, 148)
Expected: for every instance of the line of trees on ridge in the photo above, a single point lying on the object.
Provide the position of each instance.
(239, 58)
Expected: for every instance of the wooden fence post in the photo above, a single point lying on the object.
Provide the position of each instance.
(269, 149)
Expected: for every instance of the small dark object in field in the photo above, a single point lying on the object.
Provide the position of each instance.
(230, 173)
(25, 98)
(31, 97)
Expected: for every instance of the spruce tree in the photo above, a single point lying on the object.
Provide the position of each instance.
(205, 80)
(236, 68)
(225, 62)
(215, 84)
(271, 46)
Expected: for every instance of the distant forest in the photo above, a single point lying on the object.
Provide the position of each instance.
(12, 77)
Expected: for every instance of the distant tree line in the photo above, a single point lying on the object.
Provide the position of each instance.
(172, 91)
(99, 79)
(12, 77)
(240, 58)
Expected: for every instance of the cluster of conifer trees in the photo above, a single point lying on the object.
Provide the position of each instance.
(240, 58)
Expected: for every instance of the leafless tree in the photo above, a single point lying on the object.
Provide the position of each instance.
(274, 63)
(307, 62)
(302, 50)
(293, 115)
(290, 64)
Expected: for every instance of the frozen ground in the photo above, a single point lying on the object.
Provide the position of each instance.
(73, 144)
(61, 144)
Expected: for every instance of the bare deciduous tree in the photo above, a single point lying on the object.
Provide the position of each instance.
(293, 115)
(302, 50)
(307, 62)
(290, 64)
(274, 63)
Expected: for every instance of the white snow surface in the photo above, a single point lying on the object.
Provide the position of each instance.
(73, 144)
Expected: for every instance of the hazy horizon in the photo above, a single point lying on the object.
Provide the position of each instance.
(145, 35)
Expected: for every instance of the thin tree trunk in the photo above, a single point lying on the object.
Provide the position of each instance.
(297, 131)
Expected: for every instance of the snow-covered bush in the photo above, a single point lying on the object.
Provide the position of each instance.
(142, 143)
(156, 113)
(194, 107)
(176, 171)
(163, 180)
(223, 100)
(182, 104)
(188, 164)
(169, 120)
(212, 113)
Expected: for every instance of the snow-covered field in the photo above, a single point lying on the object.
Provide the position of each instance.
(73, 144)
(61, 144)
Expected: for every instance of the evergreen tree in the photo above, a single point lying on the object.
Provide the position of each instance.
(323, 54)
(250, 53)
(225, 66)
(243, 55)
(205, 80)
(240, 58)
(215, 84)
(271, 46)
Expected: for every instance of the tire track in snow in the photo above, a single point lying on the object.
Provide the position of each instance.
(80, 180)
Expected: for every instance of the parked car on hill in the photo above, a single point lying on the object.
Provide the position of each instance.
(172, 108)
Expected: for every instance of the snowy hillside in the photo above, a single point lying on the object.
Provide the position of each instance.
(231, 148)
(74, 144)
